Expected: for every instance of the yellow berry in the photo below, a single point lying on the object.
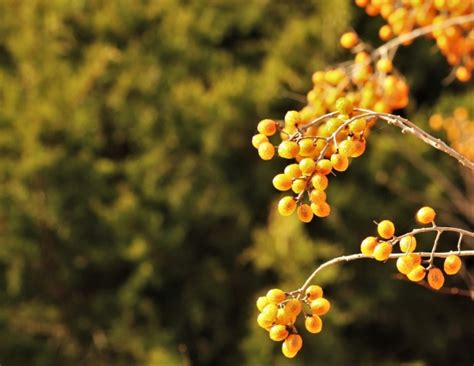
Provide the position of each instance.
(344, 106)
(358, 126)
(292, 118)
(304, 213)
(368, 245)
(278, 333)
(298, 185)
(283, 317)
(339, 162)
(266, 151)
(288, 149)
(463, 74)
(286, 352)
(384, 65)
(358, 148)
(408, 244)
(270, 310)
(382, 251)
(452, 264)
(435, 278)
(321, 209)
(313, 324)
(317, 196)
(258, 139)
(275, 296)
(320, 306)
(417, 273)
(294, 342)
(282, 182)
(346, 148)
(386, 229)
(406, 263)
(320, 181)
(324, 166)
(307, 166)
(307, 147)
(293, 307)
(264, 321)
(314, 292)
(349, 39)
(262, 301)
(286, 206)
(425, 215)
(293, 171)
(267, 127)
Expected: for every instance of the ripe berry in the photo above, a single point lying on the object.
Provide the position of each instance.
(463, 74)
(286, 352)
(339, 162)
(293, 171)
(321, 209)
(320, 181)
(417, 273)
(408, 244)
(349, 39)
(406, 263)
(262, 301)
(358, 126)
(314, 292)
(324, 166)
(425, 215)
(382, 251)
(313, 324)
(286, 206)
(307, 166)
(288, 149)
(386, 229)
(267, 127)
(283, 317)
(298, 185)
(317, 196)
(275, 296)
(282, 182)
(320, 306)
(294, 342)
(368, 245)
(258, 139)
(270, 311)
(293, 307)
(278, 333)
(384, 65)
(452, 264)
(344, 106)
(435, 278)
(304, 213)
(264, 321)
(266, 151)
(346, 148)
(292, 118)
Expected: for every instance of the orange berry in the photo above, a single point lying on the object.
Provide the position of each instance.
(408, 244)
(286, 352)
(358, 148)
(314, 292)
(452, 264)
(425, 215)
(368, 245)
(283, 317)
(278, 333)
(293, 307)
(292, 118)
(262, 301)
(267, 127)
(463, 74)
(304, 213)
(307, 166)
(317, 196)
(386, 229)
(324, 166)
(298, 185)
(406, 263)
(258, 139)
(294, 342)
(282, 182)
(344, 106)
(288, 149)
(339, 162)
(349, 39)
(382, 251)
(435, 278)
(346, 147)
(307, 147)
(266, 151)
(320, 306)
(384, 65)
(385, 32)
(275, 296)
(417, 273)
(286, 206)
(293, 171)
(313, 324)
(320, 181)
(358, 126)
(321, 209)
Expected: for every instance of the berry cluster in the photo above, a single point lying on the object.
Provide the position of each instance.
(279, 311)
(409, 264)
(455, 42)
(459, 130)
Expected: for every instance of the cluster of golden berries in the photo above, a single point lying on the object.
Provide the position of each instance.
(279, 311)
(456, 42)
(319, 149)
(409, 264)
(459, 130)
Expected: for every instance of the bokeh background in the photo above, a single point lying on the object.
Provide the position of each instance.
(137, 223)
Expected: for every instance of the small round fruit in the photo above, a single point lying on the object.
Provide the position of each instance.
(321, 209)
(258, 139)
(320, 181)
(463, 74)
(349, 39)
(275, 296)
(262, 301)
(320, 306)
(382, 251)
(339, 162)
(293, 307)
(288, 149)
(314, 292)
(344, 106)
(286, 352)
(346, 148)
(298, 185)
(324, 166)
(264, 321)
(435, 278)
(286, 206)
(307, 166)
(304, 213)
(425, 215)
(417, 273)
(452, 264)
(317, 196)
(267, 127)
(292, 118)
(368, 245)
(270, 311)
(386, 229)
(405, 264)
(266, 151)
(293, 171)
(294, 342)
(282, 182)
(313, 324)
(283, 317)
(408, 244)
(278, 333)
(307, 147)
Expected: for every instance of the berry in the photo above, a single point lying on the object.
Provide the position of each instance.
(425, 215)
(408, 244)
(313, 324)
(324, 166)
(463, 74)
(275, 296)
(304, 213)
(382, 251)
(266, 150)
(349, 40)
(258, 139)
(417, 273)
(267, 127)
(321, 209)
(405, 264)
(319, 181)
(384, 65)
(435, 278)
(368, 245)
(293, 171)
(294, 342)
(344, 106)
(286, 352)
(339, 162)
(286, 206)
(314, 292)
(262, 301)
(452, 264)
(282, 182)
(293, 307)
(317, 196)
(270, 311)
(386, 229)
(320, 306)
(346, 148)
(298, 186)
(288, 149)
(307, 147)
(264, 321)
(292, 118)
(283, 317)
(307, 166)
(278, 333)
